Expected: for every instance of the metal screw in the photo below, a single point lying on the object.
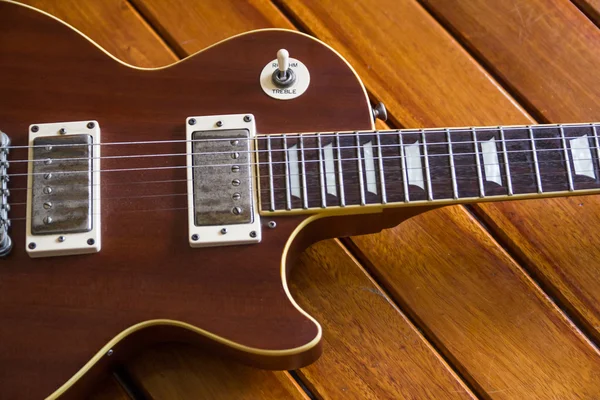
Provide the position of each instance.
(35, 128)
(195, 237)
(253, 234)
(235, 168)
(219, 123)
(91, 242)
(47, 190)
(223, 231)
(247, 118)
(48, 220)
(192, 121)
(236, 210)
(47, 175)
(61, 239)
(235, 182)
(234, 142)
(31, 245)
(91, 125)
(47, 205)
(48, 161)
(110, 352)
(6, 207)
(272, 224)
(236, 196)
(235, 155)
(62, 131)
(48, 148)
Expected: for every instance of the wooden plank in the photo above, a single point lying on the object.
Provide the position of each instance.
(414, 75)
(178, 372)
(109, 390)
(115, 26)
(409, 62)
(192, 26)
(555, 238)
(591, 8)
(482, 309)
(546, 50)
(371, 350)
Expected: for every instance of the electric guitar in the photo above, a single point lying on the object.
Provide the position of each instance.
(147, 205)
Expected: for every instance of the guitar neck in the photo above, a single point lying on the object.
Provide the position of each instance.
(316, 171)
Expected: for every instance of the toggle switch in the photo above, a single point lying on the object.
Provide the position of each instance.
(284, 78)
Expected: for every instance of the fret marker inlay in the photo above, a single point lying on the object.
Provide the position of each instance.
(330, 170)
(294, 171)
(490, 161)
(582, 157)
(414, 167)
(370, 168)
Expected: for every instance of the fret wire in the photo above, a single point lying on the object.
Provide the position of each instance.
(381, 173)
(271, 184)
(478, 163)
(506, 166)
(321, 180)
(427, 172)
(303, 167)
(340, 173)
(452, 167)
(288, 199)
(564, 143)
(597, 143)
(360, 170)
(403, 166)
(538, 176)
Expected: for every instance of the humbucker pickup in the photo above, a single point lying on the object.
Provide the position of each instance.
(63, 201)
(222, 199)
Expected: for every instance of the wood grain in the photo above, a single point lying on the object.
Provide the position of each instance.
(483, 310)
(115, 25)
(371, 350)
(545, 50)
(409, 62)
(591, 8)
(555, 238)
(190, 26)
(183, 372)
(434, 53)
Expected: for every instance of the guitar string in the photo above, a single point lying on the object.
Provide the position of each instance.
(455, 155)
(315, 185)
(400, 190)
(389, 169)
(592, 125)
(279, 150)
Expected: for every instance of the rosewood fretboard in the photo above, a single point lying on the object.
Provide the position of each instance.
(340, 169)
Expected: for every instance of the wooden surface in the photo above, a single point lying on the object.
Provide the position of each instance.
(487, 328)
(543, 71)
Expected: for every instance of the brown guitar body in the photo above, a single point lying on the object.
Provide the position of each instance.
(60, 316)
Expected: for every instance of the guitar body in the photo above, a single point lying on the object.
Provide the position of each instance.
(64, 320)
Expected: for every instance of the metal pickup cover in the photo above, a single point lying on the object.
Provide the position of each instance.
(61, 185)
(222, 177)
(63, 203)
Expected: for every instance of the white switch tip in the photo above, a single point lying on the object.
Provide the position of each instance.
(283, 60)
